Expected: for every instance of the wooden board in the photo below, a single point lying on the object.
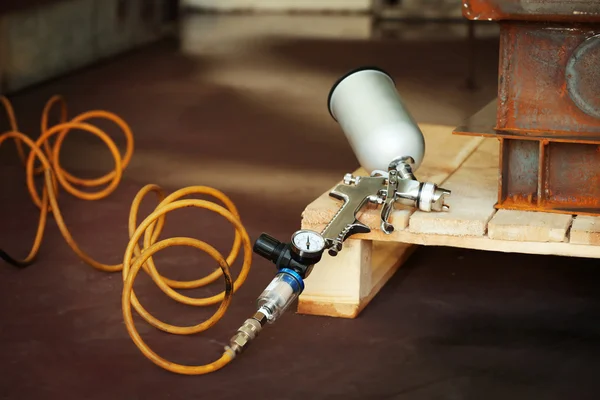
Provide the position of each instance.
(480, 243)
(471, 203)
(342, 286)
(529, 226)
(337, 285)
(585, 230)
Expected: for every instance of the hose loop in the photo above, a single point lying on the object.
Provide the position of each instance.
(46, 152)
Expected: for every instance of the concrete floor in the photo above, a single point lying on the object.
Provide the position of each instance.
(239, 103)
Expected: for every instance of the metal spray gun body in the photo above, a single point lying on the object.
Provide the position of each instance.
(390, 146)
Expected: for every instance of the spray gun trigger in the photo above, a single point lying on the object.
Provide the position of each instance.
(386, 210)
(356, 228)
(389, 198)
(335, 245)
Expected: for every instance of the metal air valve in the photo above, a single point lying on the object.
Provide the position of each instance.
(246, 333)
(294, 262)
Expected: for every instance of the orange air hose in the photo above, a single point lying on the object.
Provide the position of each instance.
(148, 231)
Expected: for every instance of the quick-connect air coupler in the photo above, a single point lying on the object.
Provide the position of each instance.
(272, 302)
(246, 333)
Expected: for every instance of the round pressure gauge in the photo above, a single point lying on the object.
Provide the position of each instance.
(308, 244)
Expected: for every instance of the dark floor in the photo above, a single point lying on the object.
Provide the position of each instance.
(244, 110)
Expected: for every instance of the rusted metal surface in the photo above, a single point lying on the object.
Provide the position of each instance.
(483, 123)
(550, 176)
(547, 114)
(531, 10)
(536, 173)
(579, 182)
(583, 76)
(543, 67)
(520, 171)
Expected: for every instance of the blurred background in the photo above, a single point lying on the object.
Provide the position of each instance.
(232, 94)
(194, 76)
(427, 44)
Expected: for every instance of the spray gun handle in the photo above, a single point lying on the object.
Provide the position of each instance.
(397, 185)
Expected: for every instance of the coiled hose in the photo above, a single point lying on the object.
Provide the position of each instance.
(135, 257)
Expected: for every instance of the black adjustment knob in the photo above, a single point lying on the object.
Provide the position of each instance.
(268, 247)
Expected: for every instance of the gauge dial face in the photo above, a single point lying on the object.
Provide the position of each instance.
(308, 241)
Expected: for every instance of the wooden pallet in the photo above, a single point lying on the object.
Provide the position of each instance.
(342, 286)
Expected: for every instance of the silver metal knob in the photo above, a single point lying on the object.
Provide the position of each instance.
(350, 179)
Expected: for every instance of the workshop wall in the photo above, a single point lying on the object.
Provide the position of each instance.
(49, 39)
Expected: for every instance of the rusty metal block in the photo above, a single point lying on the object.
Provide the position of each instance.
(549, 79)
(519, 171)
(547, 114)
(541, 173)
(549, 176)
(572, 177)
(531, 10)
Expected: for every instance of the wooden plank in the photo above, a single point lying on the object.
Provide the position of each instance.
(530, 226)
(334, 286)
(585, 230)
(544, 234)
(444, 154)
(480, 243)
(342, 286)
(474, 193)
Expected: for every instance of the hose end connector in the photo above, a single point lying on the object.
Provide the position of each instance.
(246, 333)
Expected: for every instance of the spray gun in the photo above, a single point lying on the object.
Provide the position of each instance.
(390, 146)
